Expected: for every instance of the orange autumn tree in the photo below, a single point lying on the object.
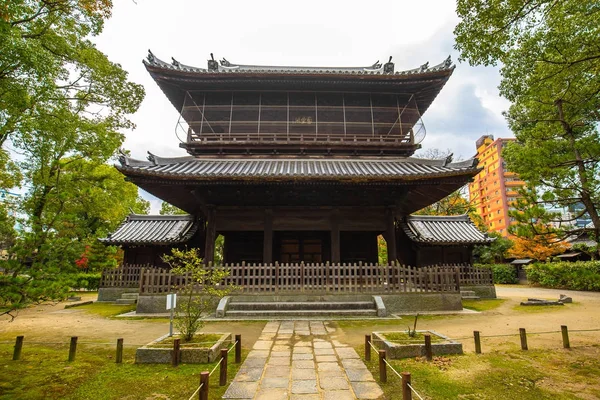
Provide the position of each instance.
(539, 247)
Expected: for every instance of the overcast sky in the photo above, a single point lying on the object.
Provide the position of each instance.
(306, 33)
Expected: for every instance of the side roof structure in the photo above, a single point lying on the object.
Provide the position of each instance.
(153, 230)
(443, 230)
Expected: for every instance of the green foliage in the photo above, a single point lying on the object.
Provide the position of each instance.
(86, 280)
(581, 275)
(551, 74)
(382, 254)
(503, 273)
(168, 209)
(201, 291)
(494, 252)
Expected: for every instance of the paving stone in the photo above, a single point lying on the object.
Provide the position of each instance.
(326, 359)
(367, 390)
(303, 344)
(338, 344)
(304, 386)
(303, 350)
(267, 336)
(305, 397)
(328, 366)
(241, 390)
(322, 345)
(285, 336)
(282, 342)
(302, 356)
(303, 373)
(285, 353)
(267, 383)
(352, 363)
(281, 347)
(279, 361)
(255, 362)
(272, 394)
(359, 375)
(258, 354)
(333, 383)
(347, 352)
(324, 352)
(302, 364)
(303, 333)
(338, 395)
(246, 374)
(277, 371)
(331, 373)
(262, 345)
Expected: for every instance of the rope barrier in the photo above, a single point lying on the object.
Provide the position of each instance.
(414, 391)
(232, 346)
(216, 366)
(196, 392)
(373, 347)
(393, 369)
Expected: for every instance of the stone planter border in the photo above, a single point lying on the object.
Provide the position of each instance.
(397, 351)
(196, 355)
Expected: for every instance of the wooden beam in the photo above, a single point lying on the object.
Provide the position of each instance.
(391, 235)
(268, 237)
(335, 237)
(211, 224)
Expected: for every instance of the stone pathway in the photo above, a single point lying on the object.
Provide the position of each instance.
(297, 360)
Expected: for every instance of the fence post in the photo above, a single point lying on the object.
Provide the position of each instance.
(406, 393)
(382, 367)
(73, 348)
(203, 393)
(523, 335)
(367, 347)
(428, 350)
(565, 336)
(119, 357)
(176, 352)
(477, 342)
(238, 349)
(18, 347)
(223, 369)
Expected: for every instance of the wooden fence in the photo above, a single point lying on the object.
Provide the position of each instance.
(125, 276)
(470, 275)
(317, 278)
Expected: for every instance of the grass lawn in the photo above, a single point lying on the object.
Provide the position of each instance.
(507, 375)
(482, 304)
(402, 337)
(44, 373)
(107, 310)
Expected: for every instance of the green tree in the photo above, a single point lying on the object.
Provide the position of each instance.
(169, 209)
(494, 252)
(551, 74)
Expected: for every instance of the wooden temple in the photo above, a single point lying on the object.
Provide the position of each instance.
(300, 164)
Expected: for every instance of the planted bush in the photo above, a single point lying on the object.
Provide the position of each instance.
(503, 273)
(581, 275)
(86, 280)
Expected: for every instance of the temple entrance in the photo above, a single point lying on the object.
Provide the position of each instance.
(307, 247)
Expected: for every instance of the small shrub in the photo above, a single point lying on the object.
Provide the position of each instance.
(581, 275)
(86, 280)
(503, 273)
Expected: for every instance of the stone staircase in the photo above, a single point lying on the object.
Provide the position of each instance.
(302, 307)
(468, 295)
(128, 298)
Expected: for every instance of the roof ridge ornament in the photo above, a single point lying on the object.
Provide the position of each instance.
(175, 62)
(225, 63)
(388, 67)
(213, 65)
(151, 57)
(424, 67)
(448, 62)
(448, 159)
(152, 158)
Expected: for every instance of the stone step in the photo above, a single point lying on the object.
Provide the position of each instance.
(302, 313)
(302, 305)
(471, 297)
(130, 296)
(464, 293)
(126, 301)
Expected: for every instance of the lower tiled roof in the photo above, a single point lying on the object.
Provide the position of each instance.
(295, 169)
(443, 230)
(153, 229)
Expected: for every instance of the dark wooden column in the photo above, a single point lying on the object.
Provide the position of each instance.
(390, 237)
(268, 237)
(335, 237)
(211, 225)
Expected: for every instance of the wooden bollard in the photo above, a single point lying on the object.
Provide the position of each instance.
(367, 347)
(119, 357)
(477, 342)
(523, 335)
(176, 352)
(382, 367)
(238, 349)
(203, 393)
(223, 370)
(18, 348)
(428, 350)
(406, 392)
(565, 336)
(73, 348)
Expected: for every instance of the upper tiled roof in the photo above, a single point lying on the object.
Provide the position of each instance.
(153, 229)
(225, 66)
(296, 169)
(443, 230)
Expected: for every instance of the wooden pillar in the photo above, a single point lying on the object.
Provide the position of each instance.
(335, 237)
(268, 238)
(211, 231)
(391, 236)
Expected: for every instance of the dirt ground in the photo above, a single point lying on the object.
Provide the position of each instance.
(42, 322)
